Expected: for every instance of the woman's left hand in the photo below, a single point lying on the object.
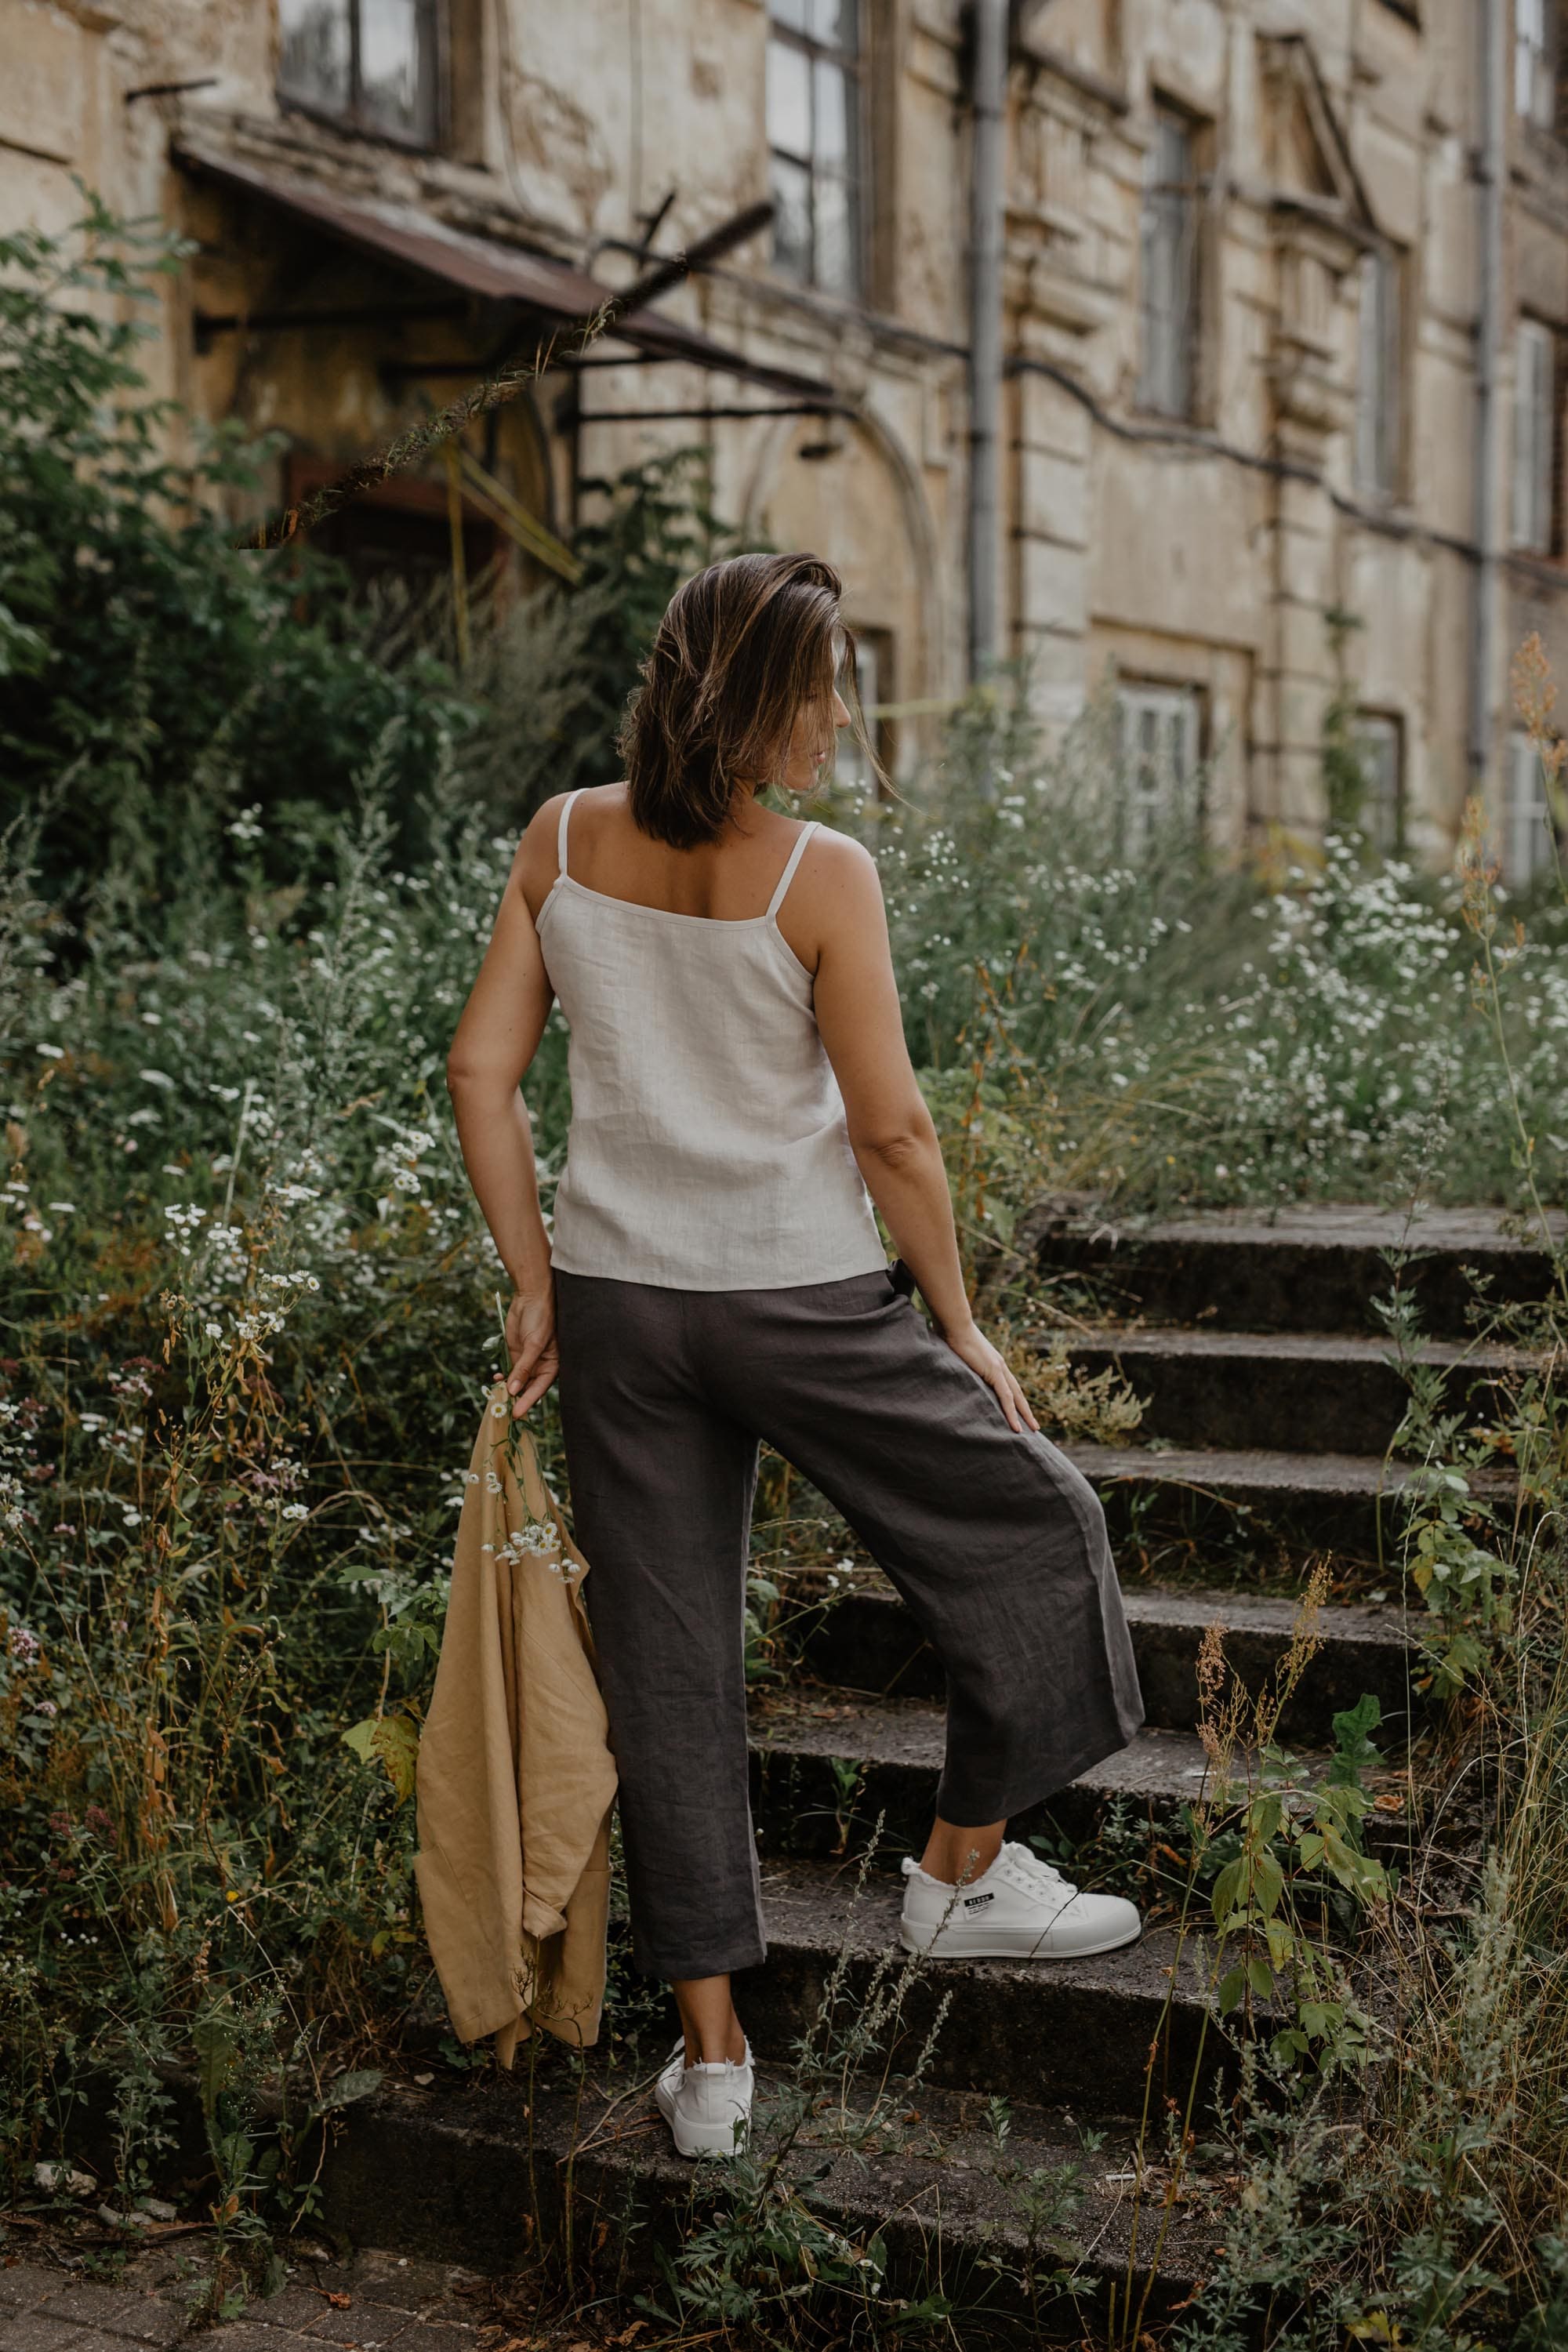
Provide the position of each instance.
(532, 1345)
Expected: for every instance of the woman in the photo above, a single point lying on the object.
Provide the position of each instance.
(715, 1275)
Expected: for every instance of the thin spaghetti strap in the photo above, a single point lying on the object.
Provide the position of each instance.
(561, 835)
(787, 876)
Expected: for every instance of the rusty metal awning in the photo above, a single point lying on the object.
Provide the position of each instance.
(486, 267)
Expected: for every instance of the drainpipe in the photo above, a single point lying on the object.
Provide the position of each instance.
(1490, 167)
(986, 228)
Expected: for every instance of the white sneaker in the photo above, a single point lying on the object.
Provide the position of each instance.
(1019, 1909)
(707, 2107)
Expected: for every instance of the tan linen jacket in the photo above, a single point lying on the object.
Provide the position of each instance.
(515, 1777)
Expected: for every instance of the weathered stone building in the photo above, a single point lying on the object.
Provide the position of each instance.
(1284, 294)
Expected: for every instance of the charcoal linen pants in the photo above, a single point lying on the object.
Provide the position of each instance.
(995, 1542)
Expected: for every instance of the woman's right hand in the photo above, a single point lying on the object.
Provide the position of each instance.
(972, 1347)
(532, 1345)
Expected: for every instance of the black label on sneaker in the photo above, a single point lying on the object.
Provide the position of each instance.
(977, 1902)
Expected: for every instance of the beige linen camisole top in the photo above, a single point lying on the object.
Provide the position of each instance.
(707, 1147)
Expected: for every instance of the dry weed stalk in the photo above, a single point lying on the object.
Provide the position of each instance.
(517, 371)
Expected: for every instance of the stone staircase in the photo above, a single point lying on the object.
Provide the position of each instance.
(1271, 1398)
(1270, 1409)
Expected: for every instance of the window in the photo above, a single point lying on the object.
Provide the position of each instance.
(1534, 437)
(1378, 388)
(1527, 822)
(1159, 728)
(1380, 755)
(1535, 61)
(815, 141)
(371, 63)
(1168, 246)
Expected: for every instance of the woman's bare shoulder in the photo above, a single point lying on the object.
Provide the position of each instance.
(837, 896)
(538, 852)
(839, 862)
(544, 825)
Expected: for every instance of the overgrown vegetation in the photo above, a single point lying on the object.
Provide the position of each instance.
(249, 1316)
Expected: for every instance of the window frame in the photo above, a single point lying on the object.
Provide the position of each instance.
(1532, 498)
(850, 62)
(1537, 56)
(1179, 700)
(353, 115)
(1373, 724)
(1527, 813)
(1378, 451)
(1192, 192)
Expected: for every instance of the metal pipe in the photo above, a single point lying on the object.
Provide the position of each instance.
(987, 222)
(1491, 161)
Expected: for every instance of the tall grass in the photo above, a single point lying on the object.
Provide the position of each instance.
(1432, 2211)
(249, 1314)
(247, 1323)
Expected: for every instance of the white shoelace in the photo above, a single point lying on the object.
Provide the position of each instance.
(1027, 1871)
(1022, 1869)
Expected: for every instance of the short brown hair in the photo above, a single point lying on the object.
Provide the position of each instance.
(742, 648)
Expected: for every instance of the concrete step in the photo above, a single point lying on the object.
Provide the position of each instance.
(1286, 1392)
(1247, 1500)
(824, 1771)
(860, 1637)
(1044, 2031)
(1306, 1268)
(806, 1744)
(491, 2173)
(572, 2160)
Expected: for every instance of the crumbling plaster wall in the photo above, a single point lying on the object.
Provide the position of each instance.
(1206, 555)
(1175, 555)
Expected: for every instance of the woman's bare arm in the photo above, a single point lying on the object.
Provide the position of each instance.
(891, 1131)
(495, 1040)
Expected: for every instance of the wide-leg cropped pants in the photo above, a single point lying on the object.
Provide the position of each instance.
(995, 1542)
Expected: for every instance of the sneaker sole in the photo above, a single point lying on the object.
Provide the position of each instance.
(948, 1946)
(700, 2139)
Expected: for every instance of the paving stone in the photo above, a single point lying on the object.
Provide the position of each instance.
(36, 2331)
(427, 2336)
(331, 2277)
(145, 2319)
(22, 2284)
(399, 2279)
(455, 2307)
(167, 2267)
(119, 2310)
(365, 2321)
(244, 2335)
(294, 2307)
